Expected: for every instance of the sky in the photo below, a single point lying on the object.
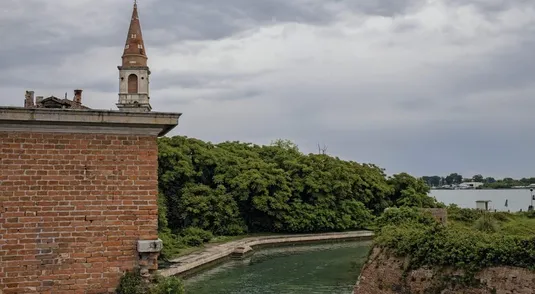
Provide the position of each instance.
(420, 86)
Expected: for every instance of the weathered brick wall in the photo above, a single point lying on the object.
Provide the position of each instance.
(440, 214)
(384, 273)
(72, 207)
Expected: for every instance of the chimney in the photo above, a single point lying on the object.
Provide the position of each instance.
(38, 100)
(28, 99)
(78, 97)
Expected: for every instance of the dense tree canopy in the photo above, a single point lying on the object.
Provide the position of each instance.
(232, 188)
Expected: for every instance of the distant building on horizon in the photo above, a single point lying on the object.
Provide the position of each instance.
(470, 185)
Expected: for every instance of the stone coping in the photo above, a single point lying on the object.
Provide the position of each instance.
(192, 261)
(86, 121)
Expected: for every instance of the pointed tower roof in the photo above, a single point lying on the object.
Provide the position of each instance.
(134, 54)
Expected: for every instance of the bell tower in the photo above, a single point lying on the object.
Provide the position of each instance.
(134, 72)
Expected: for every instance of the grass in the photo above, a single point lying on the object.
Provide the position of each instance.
(472, 239)
(508, 224)
(519, 225)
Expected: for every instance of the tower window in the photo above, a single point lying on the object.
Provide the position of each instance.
(134, 36)
(132, 84)
(127, 46)
(139, 46)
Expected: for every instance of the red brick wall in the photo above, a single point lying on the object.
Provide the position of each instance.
(72, 207)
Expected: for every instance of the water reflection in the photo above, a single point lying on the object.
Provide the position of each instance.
(325, 268)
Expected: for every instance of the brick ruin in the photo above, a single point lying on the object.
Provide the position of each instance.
(54, 102)
(439, 214)
(78, 187)
(78, 197)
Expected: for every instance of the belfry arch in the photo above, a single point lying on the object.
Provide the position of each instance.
(132, 84)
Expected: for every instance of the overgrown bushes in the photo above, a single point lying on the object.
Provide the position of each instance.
(234, 188)
(195, 237)
(486, 223)
(168, 285)
(189, 237)
(132, 283)
(463, 215)
(459, 245)
(397, 216)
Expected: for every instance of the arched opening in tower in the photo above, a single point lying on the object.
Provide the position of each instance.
(132, 84)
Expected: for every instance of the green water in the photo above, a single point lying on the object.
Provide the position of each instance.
(325, 268)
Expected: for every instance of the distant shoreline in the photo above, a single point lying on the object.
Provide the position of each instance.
(523, 188)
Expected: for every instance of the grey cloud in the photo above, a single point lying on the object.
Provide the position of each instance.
(214, 19)
(179, 21)
(382, 7)
(417, 104)
(492, 6)
(258, 107)
(203, 80)
(509, 69)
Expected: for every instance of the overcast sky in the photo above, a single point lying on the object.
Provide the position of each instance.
(427, 87)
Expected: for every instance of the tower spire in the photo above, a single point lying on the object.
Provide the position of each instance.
(134, 72)
(134, 50)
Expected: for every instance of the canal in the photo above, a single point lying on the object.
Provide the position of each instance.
(331, 268)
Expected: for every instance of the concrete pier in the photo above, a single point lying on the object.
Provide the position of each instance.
(209, 255)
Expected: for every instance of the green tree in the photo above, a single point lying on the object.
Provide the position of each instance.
(231, 188)
(454, 179)
(489, 180)
(433, 181)
(478, 178)
(410, 191)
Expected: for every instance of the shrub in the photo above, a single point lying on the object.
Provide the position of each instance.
(169, 285)
(193, 241)
(486, 223)
(398, 216)
(197, 233)
(235, 229)
(171, 245)
(457, 246)
(502, 216)
(520, 226)
(463, 214)
(530, 214)
(132, 283)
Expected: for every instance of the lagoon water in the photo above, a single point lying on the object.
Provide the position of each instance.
(324, 268)
(517, 198)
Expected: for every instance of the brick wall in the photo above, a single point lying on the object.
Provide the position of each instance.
(72, 207)
(440, 214)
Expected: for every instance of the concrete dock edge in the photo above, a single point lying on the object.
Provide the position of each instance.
(192, 261)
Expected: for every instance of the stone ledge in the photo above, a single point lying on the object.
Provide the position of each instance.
(86, 121)
(148, 246)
